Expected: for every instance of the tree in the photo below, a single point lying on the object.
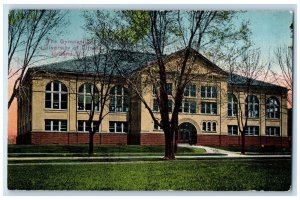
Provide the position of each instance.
(244, 73)
(100, 65)
(161, 32)
(284, 59)
(26, 30)
(97, 92)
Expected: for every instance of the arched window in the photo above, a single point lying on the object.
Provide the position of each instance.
(208, 126)
(118, 99)
(56, 95)
(204, 126)
(273, 108)
(88, 97)
(232, 105)
(252, 106)
(214, 127)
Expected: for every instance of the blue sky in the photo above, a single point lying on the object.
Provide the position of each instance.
(270, 29)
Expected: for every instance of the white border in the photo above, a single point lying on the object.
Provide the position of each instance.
(160, 4)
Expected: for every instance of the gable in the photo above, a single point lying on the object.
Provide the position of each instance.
(197, 64)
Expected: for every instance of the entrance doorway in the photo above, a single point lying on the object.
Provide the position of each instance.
(187, 133)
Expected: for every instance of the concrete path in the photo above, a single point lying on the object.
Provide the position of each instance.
(128, 159)
(232, 154)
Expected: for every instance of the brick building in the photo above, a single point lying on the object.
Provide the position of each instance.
(54, 108)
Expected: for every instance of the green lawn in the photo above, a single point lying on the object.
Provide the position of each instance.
(101, 149)
(200, 175)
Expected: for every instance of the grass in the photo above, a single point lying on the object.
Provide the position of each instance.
(101, 150)
(103, 159)
(200, 175)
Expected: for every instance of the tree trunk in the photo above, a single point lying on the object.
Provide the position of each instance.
(176, 142)
(12, 97)
(169, 146)
(91, 144)
(243, 143)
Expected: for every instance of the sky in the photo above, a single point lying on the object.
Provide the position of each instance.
(270, 29)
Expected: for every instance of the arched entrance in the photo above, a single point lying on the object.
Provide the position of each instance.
(187, 133)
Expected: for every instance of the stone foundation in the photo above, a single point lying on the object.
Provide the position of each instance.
(78, 138)
(146, 139)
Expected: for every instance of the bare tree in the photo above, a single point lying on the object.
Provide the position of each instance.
(160, 32)
(26, 30)
(97, 66)
(284, 59)
(244, 74)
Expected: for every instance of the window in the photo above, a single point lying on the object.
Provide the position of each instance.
(118, 127)
(214, 127)
(232, 130)
(188, 107)
(203, 126)
(232, 105)
(83, 126)
(252, 106)
(88, 98)
(156, 127)
(118, 99)
(273, 108)
(209, 108)
(56, 96)
(155, 107)
(168, 87)
(190, 91)
(170, 105)
(252, 130)
(55, 125)
(209, 92)
(209, 126)
(273, 131)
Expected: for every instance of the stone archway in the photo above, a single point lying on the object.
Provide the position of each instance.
(187, 133)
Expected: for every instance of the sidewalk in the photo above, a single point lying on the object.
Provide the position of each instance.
(232, 154)
(211, 153)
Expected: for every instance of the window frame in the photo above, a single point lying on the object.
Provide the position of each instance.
(187, 109)
(59, 125)
(169, 89)
(271, 105)
(115, 96)
(155, 105)
(273, 128)
(188, 90)
(123, 123)
(203, 126)
(251, 131)
(230, 130)
(208, 106)
(209, 126)
(250, 106)
(86, 94)
(84, 126)
(157, 128)
(233, 104)
(209, 92)
(53, 93)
